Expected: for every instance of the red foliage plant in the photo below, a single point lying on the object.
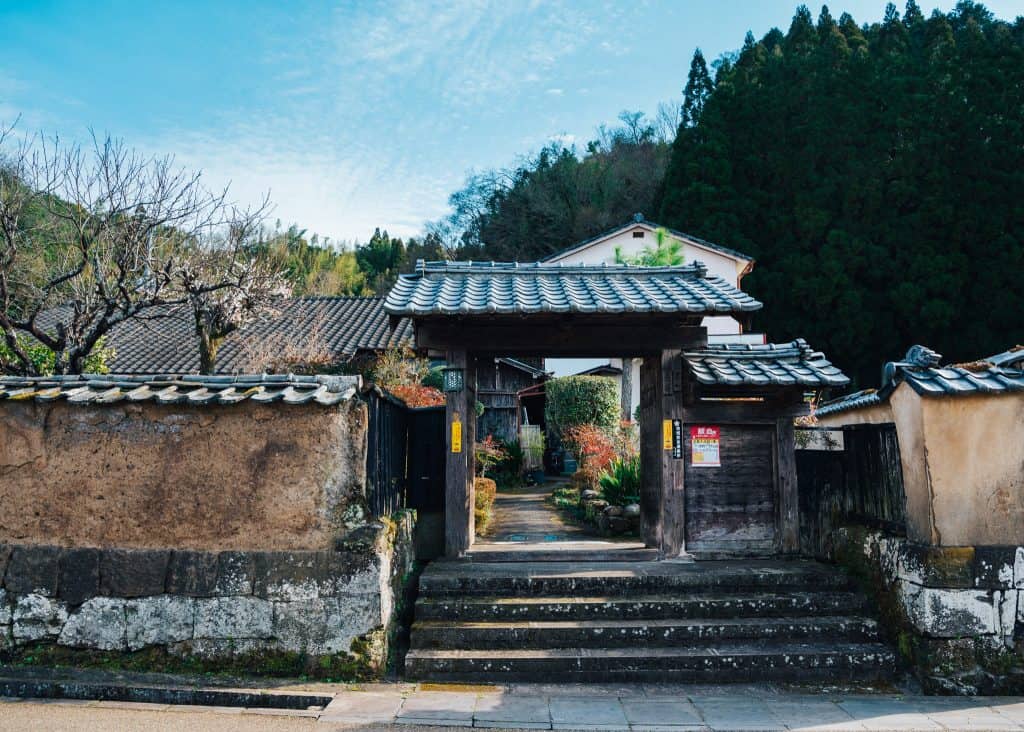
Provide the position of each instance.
(416, 395)
(591, 446)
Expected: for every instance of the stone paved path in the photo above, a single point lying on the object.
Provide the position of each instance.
(534, 706)
(525, 516)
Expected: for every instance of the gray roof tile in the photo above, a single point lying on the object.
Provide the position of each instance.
(480, 288)
(195, 390)
(856, 400)
(776, 364)
(162, 339)
(999, 374)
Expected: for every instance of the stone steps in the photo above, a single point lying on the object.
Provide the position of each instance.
(438, 634)
(495, 553)
(619, 578)
(707, 622)
(722, 662)
(704, 605)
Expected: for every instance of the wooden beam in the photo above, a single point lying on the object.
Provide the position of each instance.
(568, 337)
(662, 497)
(674, 377)
(650, 450)
(743, 412)
(789, 499)
(460, 408)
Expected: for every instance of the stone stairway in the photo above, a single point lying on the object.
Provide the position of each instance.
(704, 622)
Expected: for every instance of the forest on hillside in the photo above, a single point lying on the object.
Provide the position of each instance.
(876, 174)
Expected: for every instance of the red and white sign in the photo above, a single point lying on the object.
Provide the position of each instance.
(704, 447)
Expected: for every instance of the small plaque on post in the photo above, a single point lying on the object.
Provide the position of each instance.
(677, 439)
(456, 435)
(666, 434)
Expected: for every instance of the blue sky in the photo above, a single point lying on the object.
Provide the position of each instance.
(356, 115)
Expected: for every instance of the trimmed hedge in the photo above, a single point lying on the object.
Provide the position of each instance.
(576, 400)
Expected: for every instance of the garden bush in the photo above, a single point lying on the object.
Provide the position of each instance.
(590, 445)
(484, 490)
(579, 400)
(620, 483)
(488, 453)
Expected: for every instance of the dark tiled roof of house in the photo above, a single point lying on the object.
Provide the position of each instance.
(534, 371)
(776, 364)
(605, 369)
(162, 340)
(999, 374)
(193, 390)
(482, 288)
(639, 219)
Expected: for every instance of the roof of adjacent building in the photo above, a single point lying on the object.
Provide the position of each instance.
(638, 219)
(162, 340)
(482, 288)
(856, 400)
(999, 374)
(194, 390)
(604, 369)
(534, 371)
(775, 364)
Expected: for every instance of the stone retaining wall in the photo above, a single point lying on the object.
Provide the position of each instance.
(957, 613)
(209, 604)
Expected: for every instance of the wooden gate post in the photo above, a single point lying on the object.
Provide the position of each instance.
(789, 501)
(662, 497)
(460, 435)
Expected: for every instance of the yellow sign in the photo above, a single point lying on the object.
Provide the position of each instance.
(666, 434)
(456, 436)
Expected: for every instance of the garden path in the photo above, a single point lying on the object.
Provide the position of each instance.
(525, 515)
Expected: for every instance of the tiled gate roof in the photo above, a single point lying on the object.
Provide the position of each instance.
(482, 288)
(776, 364)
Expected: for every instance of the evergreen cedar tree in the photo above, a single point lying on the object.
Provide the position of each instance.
(875, 173)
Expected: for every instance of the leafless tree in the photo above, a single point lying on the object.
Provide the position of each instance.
(92, 236)
(227, 284)
(287, 350)
(667, 119)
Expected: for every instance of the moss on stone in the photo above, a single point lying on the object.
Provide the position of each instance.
(268, 663)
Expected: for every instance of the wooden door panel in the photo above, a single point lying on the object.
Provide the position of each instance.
(731, 509)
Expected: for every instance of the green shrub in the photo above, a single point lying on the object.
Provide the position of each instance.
(43, 359)
(579, 400)
(434, 378)
(620, 483)
(484, 491)
(508, 472)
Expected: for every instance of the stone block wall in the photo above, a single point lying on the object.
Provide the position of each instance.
(957, 613)
(210, 604)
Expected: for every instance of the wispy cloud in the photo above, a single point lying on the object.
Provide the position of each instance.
(373, 114)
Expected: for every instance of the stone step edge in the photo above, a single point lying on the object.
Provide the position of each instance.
(719, 651)
(717, 598)
(613, 585)
(605, 624)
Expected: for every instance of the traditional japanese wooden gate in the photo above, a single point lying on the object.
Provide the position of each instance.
(468, 311)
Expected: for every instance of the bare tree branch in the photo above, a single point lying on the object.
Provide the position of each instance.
(90, 237)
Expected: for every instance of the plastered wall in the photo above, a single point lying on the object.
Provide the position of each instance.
(235, 477)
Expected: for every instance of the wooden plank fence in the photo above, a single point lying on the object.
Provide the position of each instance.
(404, 456)
(848, 475)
